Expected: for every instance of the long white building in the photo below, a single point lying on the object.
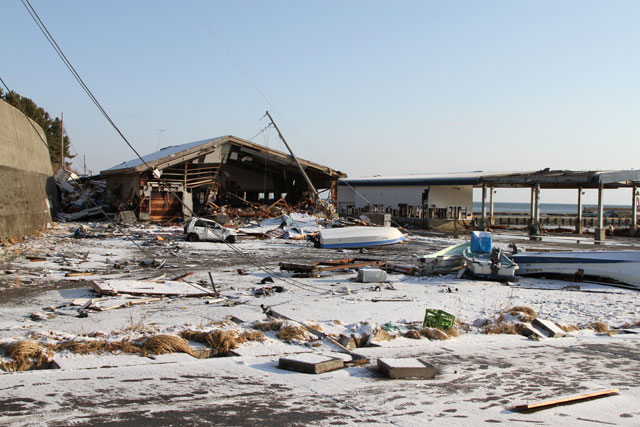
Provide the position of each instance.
(431, 196)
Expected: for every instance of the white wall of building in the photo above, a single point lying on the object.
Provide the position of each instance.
(384, 197)
(444, 196)
(389, 196)
(346, 195)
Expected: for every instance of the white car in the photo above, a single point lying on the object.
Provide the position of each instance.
(205, 229)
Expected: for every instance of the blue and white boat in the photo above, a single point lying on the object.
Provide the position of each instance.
(358, 237)
(619, 266)
(486, 262)
(492, 266)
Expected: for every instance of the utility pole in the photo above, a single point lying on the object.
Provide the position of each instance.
(160, 132)
(293, 156)
(62, 140)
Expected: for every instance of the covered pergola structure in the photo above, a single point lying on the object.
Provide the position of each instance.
(563, 179)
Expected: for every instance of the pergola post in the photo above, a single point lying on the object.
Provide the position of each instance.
(634, 212)
(483, 220)
(599, 234)
(532, 206)
(537, 212)
(491, 206)
(579, 228)
(535, 228)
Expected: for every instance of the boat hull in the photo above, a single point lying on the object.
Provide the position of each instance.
(359, 237)
(620, 266)
(447, 260)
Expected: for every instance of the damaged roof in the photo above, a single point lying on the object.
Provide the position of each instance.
(172, 155)
(546, 178)
(461, 178)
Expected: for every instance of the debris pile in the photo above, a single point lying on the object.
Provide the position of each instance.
(81, 197)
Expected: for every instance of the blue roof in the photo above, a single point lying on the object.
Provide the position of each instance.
(165, 152)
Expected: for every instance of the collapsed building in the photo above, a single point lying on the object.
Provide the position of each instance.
(178, 181)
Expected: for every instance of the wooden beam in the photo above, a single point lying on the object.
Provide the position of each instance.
(548, 403)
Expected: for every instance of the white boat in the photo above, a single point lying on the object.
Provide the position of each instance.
(358, 237)
(620, 266)
(493, 266)
(444, 261)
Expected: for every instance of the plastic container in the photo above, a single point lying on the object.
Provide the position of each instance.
(438, 319)
(481, 242)
(371, 275)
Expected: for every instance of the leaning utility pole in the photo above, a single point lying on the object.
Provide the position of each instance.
(62, 140)
(316, 196)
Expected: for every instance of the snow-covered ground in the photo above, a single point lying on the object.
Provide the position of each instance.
(479, 376)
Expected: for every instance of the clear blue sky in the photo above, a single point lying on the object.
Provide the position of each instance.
(366, 87)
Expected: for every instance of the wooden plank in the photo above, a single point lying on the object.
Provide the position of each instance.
(80, 273)
(571, 399)
(182, 276)
(128, 303)
(337, 261)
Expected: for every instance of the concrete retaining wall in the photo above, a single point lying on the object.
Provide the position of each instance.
(27, 190)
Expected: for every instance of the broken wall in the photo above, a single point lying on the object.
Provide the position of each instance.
(125, 187)
(28, 191)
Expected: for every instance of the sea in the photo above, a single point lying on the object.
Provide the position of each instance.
(549, 208)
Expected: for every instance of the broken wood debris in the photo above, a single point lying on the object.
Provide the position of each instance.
(404, 269)
(181, 276)
(110, 303)
(316, 268)
(79, 273)
(213, 285)
(565, 400)
(356, 359)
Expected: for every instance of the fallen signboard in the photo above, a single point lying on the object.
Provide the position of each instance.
(155, 288)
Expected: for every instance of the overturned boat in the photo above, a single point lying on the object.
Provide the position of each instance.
(444, 261)
(618, 266)
(357, 237)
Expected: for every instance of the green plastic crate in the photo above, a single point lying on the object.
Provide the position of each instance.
(438, 319)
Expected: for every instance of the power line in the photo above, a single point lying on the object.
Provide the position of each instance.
(68, 64)
(248, 77)
(75, 74)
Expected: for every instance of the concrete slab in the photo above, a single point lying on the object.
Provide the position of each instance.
(530, 330)
(404, 368)
(310, 363)
(549, 328)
